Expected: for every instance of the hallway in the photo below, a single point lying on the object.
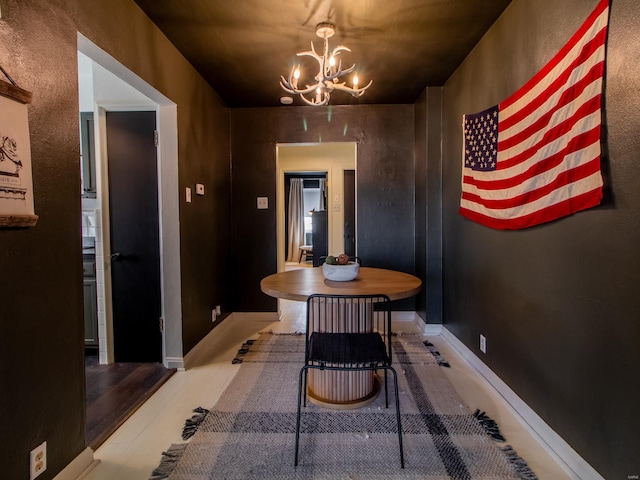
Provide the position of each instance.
(114, 392)
(135, 449)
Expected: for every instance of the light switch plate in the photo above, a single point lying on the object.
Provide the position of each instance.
(263, 203)
(483, 343)
(187, 193)
(199, 189)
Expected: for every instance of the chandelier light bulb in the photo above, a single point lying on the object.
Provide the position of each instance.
(332, 62)
(296, 76)
(355, 80)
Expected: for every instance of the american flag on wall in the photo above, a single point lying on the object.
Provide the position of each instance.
(535, 157)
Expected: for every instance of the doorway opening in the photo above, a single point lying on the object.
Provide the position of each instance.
(305, 205)
(107, 87)
(336, 161)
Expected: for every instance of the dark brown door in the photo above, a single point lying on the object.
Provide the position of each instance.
(350, 212)
(135, 246)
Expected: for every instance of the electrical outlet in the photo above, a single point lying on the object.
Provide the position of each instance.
(263, 203)
(483, 343)
(38, 460)
(218, 310)
(214, 314)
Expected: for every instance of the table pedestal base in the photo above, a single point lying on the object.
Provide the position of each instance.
(342, 390)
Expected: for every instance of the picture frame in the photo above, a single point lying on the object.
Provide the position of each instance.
(16, 183)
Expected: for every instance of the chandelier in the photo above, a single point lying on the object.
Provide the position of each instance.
(328, 77)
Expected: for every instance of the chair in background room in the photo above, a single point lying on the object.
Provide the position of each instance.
(346, 335)
(306, 251)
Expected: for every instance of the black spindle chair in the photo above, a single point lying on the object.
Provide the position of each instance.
(349, 334)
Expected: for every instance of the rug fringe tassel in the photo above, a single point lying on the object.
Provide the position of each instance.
(244, 349)
(519, 464)
(437, 355)
(168, 461)
(490, 426)
(192, 424)
(274, 332)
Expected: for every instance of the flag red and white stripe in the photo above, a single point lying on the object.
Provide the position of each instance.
(535, 157)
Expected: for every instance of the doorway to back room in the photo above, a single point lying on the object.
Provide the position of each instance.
(338, 161)
(305, 217)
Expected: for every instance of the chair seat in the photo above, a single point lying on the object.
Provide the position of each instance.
(347, 348)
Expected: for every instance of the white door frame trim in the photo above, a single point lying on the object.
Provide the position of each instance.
(169, 219)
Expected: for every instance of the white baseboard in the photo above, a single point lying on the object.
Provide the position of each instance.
(575, 466)
(174, 362)
(431, 329)
(202, 347)
(404, 316)
(79, 466)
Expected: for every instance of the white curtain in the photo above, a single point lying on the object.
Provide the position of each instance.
(296, 220)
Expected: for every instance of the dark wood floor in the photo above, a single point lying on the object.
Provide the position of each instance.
(114, 392)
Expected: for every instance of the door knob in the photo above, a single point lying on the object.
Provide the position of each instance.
(116, 256)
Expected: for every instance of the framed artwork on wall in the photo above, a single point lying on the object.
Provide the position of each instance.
(16, 185)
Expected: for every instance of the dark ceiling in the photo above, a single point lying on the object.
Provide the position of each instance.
(241, 47)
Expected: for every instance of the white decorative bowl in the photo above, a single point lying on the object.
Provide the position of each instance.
(341, 273)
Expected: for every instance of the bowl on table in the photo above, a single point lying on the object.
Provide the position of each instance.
(341, 273)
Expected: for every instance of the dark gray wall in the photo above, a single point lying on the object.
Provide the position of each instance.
(41, 329)
(385, 186)
(558, 303)
(41, 326)
(428, 185)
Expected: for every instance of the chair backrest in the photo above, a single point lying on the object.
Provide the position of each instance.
(323, 259)
(351, 314)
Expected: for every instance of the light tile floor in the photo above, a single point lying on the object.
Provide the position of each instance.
(135, 449)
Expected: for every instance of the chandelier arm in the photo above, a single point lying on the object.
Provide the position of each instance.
(308, 102)
(311, 53)
(356, 92)
(309, 89)
(313, 103)
(288, 87)
(338, 49)
(340, 72)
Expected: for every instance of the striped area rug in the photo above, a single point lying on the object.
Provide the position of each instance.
(250, 432)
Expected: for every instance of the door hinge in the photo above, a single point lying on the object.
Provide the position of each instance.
(155, 137)
(161, 322)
